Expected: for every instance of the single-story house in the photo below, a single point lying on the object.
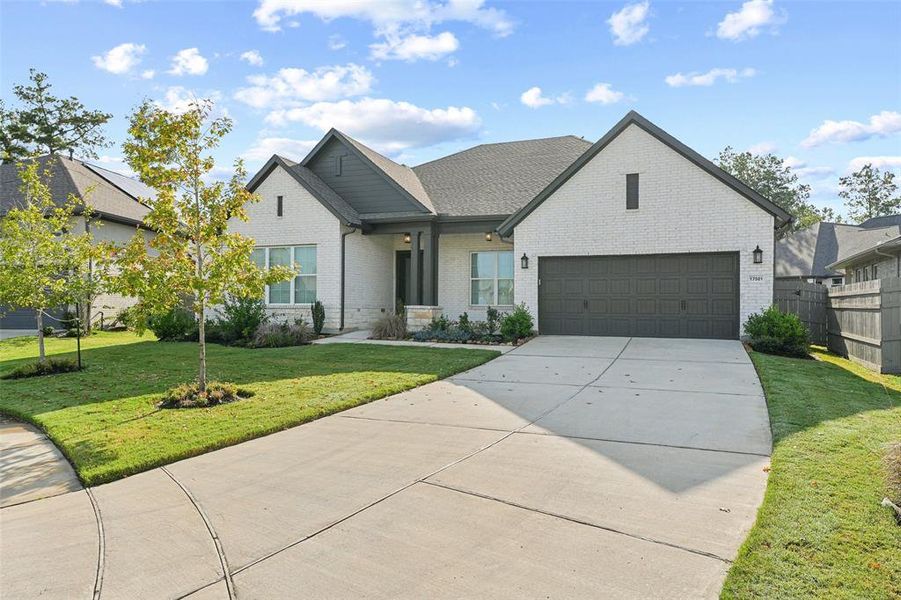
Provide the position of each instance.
(839, 253)
(116, 214)
(636, 235)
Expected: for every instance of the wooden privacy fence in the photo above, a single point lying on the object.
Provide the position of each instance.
(808, 301)
(864, 323)
(859, 320)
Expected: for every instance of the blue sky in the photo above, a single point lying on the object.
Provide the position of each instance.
(819, 82)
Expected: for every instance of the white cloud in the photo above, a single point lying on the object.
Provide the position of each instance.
(148, 74)
(189, 62)
(414, 47)
(386, 15)
(892, 163)
(114, 163)
(629, 24)
(178, 99)
(252, 57)
(288, 147)
(388, 125)
(534, 98)
(121, 59)
(884, 124)
(603, 93)
(336, 42)
(748, 21)
(709, 78)
(764, 148)
(116, 3)
(292, 85)
(802, 170)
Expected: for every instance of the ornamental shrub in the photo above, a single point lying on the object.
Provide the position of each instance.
(776, 332)
(318, 311)
(390, 327)
(50, 366)
(241, 318)
(177, 325)
(517, 324)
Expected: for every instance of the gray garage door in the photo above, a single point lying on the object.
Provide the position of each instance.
(659, 295)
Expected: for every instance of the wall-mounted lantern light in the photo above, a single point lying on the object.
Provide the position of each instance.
(758, 255)
(524, 261)
(488, 236)
(406, 238)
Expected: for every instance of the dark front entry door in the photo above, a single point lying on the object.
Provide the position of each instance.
(403, 291)
(659, 295)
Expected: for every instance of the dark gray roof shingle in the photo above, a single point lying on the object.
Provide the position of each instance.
(103, 190)
(810, 251)
(497, 179)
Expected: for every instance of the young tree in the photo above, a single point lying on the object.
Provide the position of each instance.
(193, 253)
(773, 179)
(870, 193)
(45, 257)
(47, 124)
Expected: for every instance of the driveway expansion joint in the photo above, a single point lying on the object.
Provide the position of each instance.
(220, 551)
(579, 521)
(640, 443)
(101, 545)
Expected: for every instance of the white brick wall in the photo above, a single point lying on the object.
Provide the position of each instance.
(369, 287)
(454, 268)
(682, 209)
(305, 221)
(119, 234)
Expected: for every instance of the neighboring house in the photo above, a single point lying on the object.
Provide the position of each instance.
(634, 235)
(116, 215)
(837, 253)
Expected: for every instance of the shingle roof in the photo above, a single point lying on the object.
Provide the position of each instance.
(811, 252)
(883, 221)
(497, 179)
(104, 191)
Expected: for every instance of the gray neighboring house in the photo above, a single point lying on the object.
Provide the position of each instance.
(837, 253)
(117, 214)
(633, 235)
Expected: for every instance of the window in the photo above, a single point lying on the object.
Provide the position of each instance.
(836, 281)
(873, 272)
(339, 165)
(632, 191)
(491, 278)
(279, 206)
(857, 277)
(299, 290)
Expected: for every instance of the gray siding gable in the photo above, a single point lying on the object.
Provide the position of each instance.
(364, 188)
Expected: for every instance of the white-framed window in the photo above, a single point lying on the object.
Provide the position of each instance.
(836, 281)
(299, 290)
(491, 278)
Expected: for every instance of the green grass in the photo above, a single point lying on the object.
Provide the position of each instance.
(105, 418)
(820, 532)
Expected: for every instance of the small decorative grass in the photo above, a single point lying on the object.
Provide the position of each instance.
(51, 366)
(188, 395)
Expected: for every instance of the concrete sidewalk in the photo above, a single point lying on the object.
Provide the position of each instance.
(31, 467)
(569, 467)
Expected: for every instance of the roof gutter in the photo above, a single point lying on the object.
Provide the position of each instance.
(892, 243)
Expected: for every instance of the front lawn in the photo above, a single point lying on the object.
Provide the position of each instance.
(106, 421)
(821, 532)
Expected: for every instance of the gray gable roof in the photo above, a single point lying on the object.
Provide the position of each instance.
(818, 250)
(110, 195)
(310, 182)
(633, 118)
(883, 221)
(497, 179)
(401, 177)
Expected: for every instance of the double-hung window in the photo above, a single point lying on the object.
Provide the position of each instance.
(299, 290)
(491, 278)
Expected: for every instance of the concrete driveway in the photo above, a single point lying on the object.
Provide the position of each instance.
(567, 468)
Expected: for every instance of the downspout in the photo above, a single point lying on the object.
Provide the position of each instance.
(343, 238)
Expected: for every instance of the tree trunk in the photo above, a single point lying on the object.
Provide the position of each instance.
(201, 337)
(40, 321)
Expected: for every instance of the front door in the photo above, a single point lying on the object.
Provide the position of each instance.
(403, 292)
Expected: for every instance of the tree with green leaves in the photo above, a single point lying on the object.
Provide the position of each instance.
(773, 179)
(192, 255)
(46, 259)
(47, 124)
(870, 193)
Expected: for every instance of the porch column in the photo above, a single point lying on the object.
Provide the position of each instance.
(415, 285)
(430, 267)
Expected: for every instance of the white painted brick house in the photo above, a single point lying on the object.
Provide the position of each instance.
(633, 235)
